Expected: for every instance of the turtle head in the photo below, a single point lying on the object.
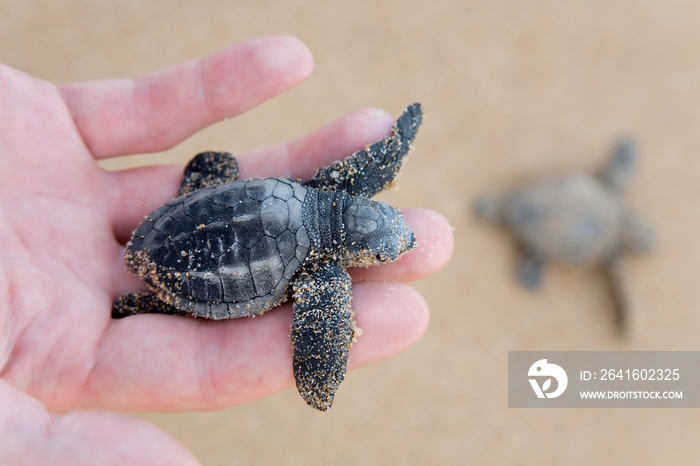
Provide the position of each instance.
(375, 232)
(488, 208)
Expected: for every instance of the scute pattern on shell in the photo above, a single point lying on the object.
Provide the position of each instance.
(227, 250)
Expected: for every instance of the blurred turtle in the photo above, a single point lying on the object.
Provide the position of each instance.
(578, 219)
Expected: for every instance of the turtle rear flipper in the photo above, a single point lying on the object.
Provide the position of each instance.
(131, 304)
(322, 332)
(530, 269)
(370, 170)
(208, 169)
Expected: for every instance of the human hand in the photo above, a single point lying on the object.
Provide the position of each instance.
(63, 224)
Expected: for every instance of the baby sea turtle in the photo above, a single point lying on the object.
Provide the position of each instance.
(578, 219)
(228, 248)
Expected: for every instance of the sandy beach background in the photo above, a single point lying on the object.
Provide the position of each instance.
(511, 89)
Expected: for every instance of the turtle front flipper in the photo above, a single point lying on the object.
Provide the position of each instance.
(370, 170)
(620, 294)
(322, 332)
(616, 174)
(131, 304)
(208, 169)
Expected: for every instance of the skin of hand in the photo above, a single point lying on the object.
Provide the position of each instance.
(66, 366)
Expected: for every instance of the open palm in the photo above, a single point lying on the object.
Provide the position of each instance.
(63, 223)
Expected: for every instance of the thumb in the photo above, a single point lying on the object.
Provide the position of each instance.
(31, 435)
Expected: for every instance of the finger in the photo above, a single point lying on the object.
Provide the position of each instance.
(135, 193)
(335, 141)
(155, 112)
(31, 435)
(435, 244)
(163, 363)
